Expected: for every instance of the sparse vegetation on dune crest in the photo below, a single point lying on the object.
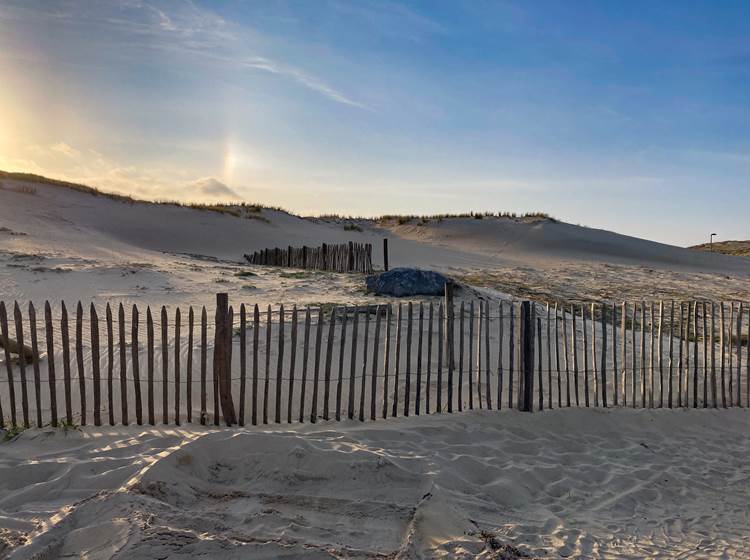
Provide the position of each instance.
(254, 211)
(239, 209)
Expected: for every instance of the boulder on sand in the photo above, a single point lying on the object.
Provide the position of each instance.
(401, 282)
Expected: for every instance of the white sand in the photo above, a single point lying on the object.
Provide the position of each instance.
(569, 483)
(580, 483)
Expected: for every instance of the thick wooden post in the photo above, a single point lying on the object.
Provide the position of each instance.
(527, 356)
(223, 338)
(385, 254)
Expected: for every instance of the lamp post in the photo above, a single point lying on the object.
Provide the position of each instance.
(711, 242)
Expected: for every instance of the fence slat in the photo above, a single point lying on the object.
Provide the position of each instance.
(704, 315)
(714, 395)
(329, 357)
(449, 339)
(18, 320)
(66, 367)
(79, 364)
(722, 346)
(189, 372)
(418, 397)
(150, 366)
(461, 321)
(305, 355)
(574, 344)
(387, 360)
(316, 377)
(738, 400)
(616, 383)
(136, 367)
(397, 361)
(567, 358)
(95, 364)
(123, 365)
(660, 353)
(604, 352)
(8, 365)
(624, 348)
(549, 356)
(540, 363)
(671, 356)
(488, 373)
(428, 385)
(557, 355)
(362, 383)
(51, 378)
(110, 365)
(511, 354)
(164, 366)
(407, 376)
(730, 365)
(681, 358)
(499, 356)
(353, 368)
(254, 382)
(439, 400)
(279, 367)
(177, 373)
(652, 358)
(471, 355)
(292, 365)
(204, 362)
(269, 323)
(586, 353)
(480, 328)
(643, 354)
(35, 363)
(595, 373)
(376, 340)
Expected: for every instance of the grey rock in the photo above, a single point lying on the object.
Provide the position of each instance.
(402, 282)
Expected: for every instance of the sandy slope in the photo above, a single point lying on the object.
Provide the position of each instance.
(63, 243)
(573, 483)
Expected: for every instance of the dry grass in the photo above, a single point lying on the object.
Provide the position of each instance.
(734, 248)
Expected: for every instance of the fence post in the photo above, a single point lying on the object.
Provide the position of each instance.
(223, 338)
(527, 355)
(350, 265)
(385, 254)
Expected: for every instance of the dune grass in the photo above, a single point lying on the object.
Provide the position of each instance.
(249, 210)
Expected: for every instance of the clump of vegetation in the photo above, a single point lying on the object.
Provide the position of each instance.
(66, 426)
(297, 275)
(408, 218)
(12, 432)
(352, 227)
(245, 274)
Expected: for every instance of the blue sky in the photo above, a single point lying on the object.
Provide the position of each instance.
(631, 116)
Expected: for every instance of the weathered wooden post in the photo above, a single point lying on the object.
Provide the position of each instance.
(527, 356)
(385, 254)
(304, 256)
(324, 251)
(222, 340)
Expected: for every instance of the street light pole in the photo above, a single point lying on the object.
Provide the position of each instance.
(711, 242)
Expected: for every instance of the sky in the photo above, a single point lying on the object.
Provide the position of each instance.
(629, 116)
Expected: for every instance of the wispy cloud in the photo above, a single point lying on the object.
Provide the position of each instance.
(179, 27)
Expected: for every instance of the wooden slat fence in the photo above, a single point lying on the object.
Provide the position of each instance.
(344, 257)
(368, 362)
